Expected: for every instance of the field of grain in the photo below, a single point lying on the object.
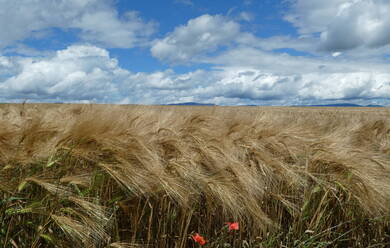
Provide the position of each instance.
(153, 176)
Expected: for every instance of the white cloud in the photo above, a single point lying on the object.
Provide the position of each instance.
(8, 67)
(252, 76)
(246, 16)
(248, 71)
(312, 16)
(105, 28)
(343, 24)
(4, 62)
(305, 44)
(77, 73)
(348, 86)
(97, 20)
(206, 34)
(333, 27)
(21, 49)
(336, 54)
(200, 35)
(245, 76)
(258, 86)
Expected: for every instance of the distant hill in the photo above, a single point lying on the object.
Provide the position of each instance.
(329, 105)
(341, 105)
(191, 104)
(337, 105)
(375, 106)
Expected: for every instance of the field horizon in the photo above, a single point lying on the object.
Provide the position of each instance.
(153, 176)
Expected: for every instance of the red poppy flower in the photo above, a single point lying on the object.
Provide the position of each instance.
(233, 225)
(199, 239)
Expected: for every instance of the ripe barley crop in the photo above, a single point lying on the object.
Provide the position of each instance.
(137, 176)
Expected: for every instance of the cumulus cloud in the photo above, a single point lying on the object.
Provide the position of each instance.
(257, 86)
(231, 85)
(105, 28)
(4, 62)
(200, 35)
(249, 70)
(346, 86)
(248, 75)
(206, 34)
(77, 73)
(96, 20)
(88, 73)
(283, 63)
(304, 44)
(8, 67)
(343, 24)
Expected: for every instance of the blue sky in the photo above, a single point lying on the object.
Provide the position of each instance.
(226, 52)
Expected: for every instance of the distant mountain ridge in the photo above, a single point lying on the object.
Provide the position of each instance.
(253, 105)
(192, 104)
(342, 105)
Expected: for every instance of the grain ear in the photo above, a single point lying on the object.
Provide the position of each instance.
(104, 175)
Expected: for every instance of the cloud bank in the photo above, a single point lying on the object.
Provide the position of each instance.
(200, 35)
(238, 67)
(95, 20)
(343, 24)
(88, 73)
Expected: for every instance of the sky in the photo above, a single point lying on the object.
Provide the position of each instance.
(224, 52)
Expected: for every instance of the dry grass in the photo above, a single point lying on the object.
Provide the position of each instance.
(120, 176)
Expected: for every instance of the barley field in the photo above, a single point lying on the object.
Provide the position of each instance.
(174, 176)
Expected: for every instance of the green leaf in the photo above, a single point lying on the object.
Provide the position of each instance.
(47, 237)
(22, 185)
(14, 211)
(35, 204)
(10, 199)
(115, 199)
(51, 162)
(8, 166)
(317, 189)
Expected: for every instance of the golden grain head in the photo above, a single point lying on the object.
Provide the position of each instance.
(113, 176)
